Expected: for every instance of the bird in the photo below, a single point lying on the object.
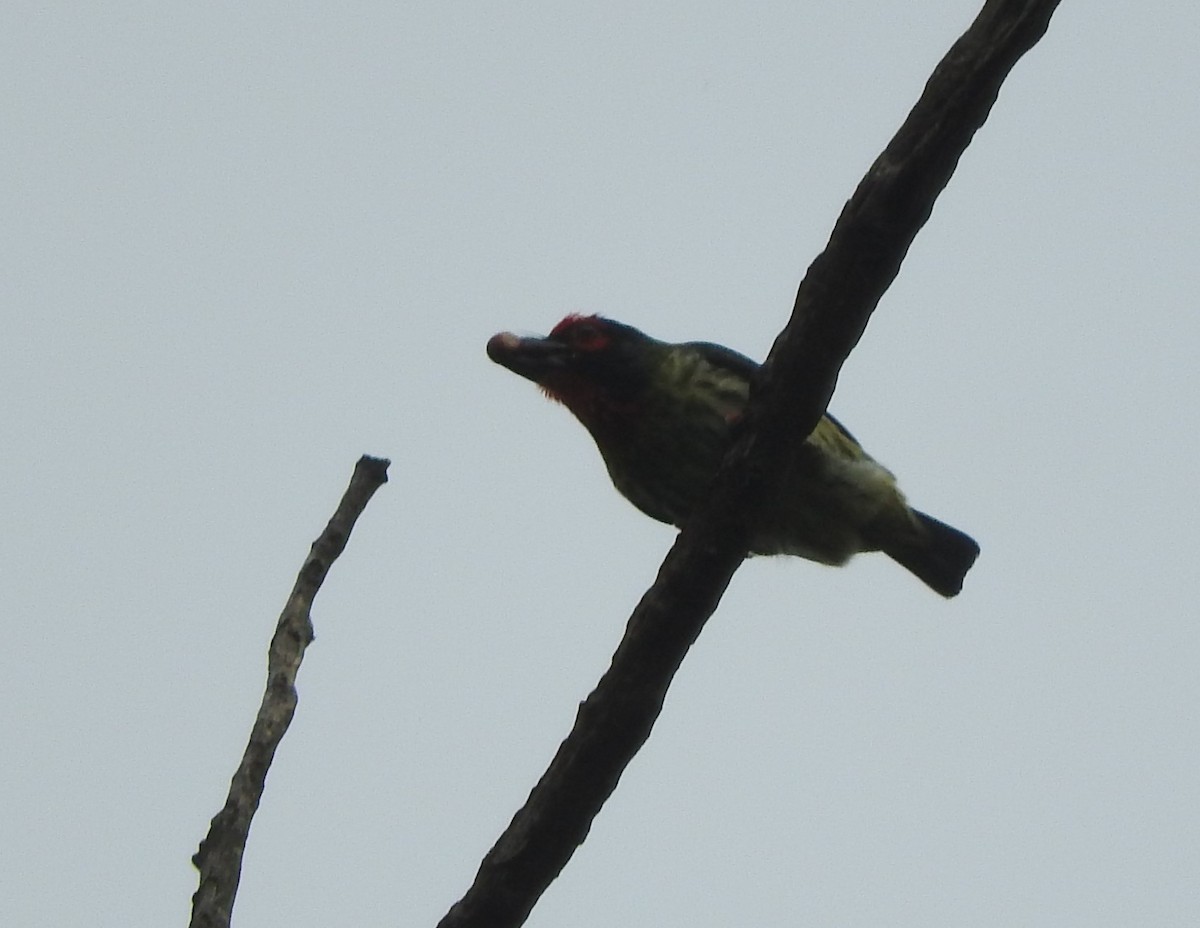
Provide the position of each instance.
(663, 415)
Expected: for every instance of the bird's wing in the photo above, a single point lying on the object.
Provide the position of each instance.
(726, 358)
(829, 435)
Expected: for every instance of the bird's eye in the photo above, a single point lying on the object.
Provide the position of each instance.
(588, 337)
(583, 333)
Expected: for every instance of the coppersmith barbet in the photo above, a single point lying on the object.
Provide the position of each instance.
(663, 416)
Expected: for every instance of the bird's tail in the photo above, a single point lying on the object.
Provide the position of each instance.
(939, 555)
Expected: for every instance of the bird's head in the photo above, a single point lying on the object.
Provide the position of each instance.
(597, 368)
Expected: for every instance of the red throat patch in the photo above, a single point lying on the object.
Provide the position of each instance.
(589, 404)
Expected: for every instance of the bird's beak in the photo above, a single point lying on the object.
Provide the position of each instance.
(532, 358)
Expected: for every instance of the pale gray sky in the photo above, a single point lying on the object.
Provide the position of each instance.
(247, 243)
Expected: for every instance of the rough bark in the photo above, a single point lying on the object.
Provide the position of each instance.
(219, 858)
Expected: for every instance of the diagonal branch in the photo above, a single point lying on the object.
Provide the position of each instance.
(219, 858)
(834, 302)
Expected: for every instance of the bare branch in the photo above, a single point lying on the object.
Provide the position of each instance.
(834, 302)
(219, 858)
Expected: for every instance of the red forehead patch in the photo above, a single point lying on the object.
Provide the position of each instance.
(571, 321)
(584, 333)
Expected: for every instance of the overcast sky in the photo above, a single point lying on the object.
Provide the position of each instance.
(246, 243)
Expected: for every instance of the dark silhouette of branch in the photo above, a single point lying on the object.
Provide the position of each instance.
(219, 858)
(834, 302)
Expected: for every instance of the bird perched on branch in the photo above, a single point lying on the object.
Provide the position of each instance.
(663, 417)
